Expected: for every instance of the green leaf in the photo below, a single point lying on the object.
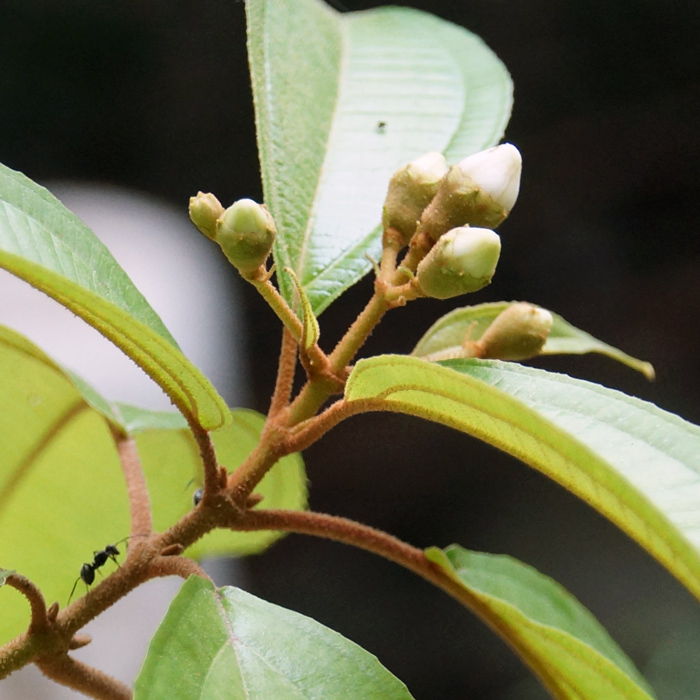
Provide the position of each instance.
(311, 331)
(227, 643)
(446, 335)
(326, 161)
(62, 492)
(46, 245)
(554, 634)
(174, 470)
(631, 461)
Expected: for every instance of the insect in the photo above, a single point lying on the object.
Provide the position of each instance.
(87, 570)
(197, 496)
(381, 127)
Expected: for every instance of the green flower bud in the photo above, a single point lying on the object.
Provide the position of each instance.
(462, 261)
(517, 333)
(479, 191)
(246, 232)
(205, 209)
(410, 190)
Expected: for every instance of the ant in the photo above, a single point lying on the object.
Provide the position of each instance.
(87, 571)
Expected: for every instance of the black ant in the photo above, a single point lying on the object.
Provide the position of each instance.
(87, 571)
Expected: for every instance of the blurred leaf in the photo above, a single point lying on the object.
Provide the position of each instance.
(554, 634)
(343, 100)
(447, 334)
(46, 245)
(62, 492)
(228, 644)
(631, 461)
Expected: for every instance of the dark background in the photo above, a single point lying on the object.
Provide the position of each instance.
(155, 96)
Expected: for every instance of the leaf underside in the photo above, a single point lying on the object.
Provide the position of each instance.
(342, 101)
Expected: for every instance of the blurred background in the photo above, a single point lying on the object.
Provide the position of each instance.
(144, 103)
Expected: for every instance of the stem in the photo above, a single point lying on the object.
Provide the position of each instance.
(263, 457)
(139, 504)
(39, 621)
(90, 681)
(268, 291)
(285, 373)
(209, 460)
(358, 333)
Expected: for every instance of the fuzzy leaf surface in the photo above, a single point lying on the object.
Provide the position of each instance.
(227, 643)
(342, 101)
(46, 245)
(555, 635)
(447, 334)
(637, 465)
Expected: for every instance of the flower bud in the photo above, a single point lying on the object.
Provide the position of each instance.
(479, 191)
(246, 232)
(517, 333)
(205, 209)
(410, 190)
(462, 261)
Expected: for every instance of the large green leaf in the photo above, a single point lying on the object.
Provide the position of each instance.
(341, 101)
(636, 464)
(446, 335)
(555, 635)
(229, 644)
(62, 492)
(49, 247)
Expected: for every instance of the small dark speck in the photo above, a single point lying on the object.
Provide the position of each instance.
(381, 127)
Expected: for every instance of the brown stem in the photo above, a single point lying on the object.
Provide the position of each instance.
(137, 489)
(263, 457)
(175, 566)
(285, 373)
(209, 460)
(39, 621)
(90, 681)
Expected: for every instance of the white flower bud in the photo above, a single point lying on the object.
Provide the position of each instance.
(246, 232)
(410, 190)
(462, 261)
(205, 209)
(517, 333)
(479, 191)
(496, 171)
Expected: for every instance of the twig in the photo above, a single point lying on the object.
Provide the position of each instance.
(90, 681)
(39, 621)
(209, 460)
(285, 373)
(137, 489)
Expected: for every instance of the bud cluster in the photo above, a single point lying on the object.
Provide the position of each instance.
(453, 211)
(245, 231)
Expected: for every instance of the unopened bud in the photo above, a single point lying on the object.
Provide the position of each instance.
(246, 232)
(479, 191)
(463, 260)
(410, 190)
(205, 209)
(517, 333)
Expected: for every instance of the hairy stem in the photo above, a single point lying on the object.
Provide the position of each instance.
(268, 291)
(209, 459)
(285, 373)
(139, 503)
(90, 681)
(40, 621)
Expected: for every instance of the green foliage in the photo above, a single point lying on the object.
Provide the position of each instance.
(553, 633)
(326, 170)
(247, 648)
(335, 119)
(607, 448)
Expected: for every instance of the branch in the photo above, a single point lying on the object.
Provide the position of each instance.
(90, 681)
(285, 373)
(40, 620)
(212, 479)
(137, 489)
